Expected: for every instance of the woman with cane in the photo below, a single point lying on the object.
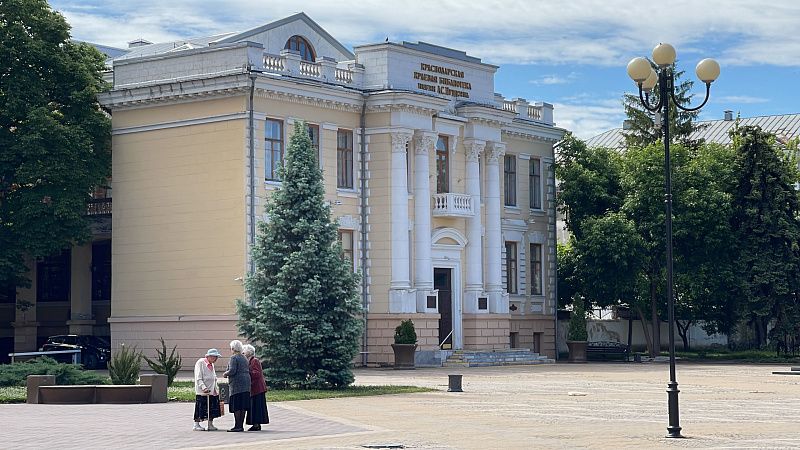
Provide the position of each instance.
(206, 401)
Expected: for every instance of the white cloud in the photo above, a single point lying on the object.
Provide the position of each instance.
(555, 79)
(745, 99)
(499, 31)
(589, 117)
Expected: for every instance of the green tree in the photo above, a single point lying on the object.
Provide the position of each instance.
(54, 138)
(609, 259)
(705, 283)
(590, 182)
(304, 315)
(765, 223)
(643, 132)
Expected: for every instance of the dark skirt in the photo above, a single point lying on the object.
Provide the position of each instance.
(201, 407)
(257, 413)
(239, 402)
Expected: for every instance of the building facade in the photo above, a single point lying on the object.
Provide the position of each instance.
(443, 190)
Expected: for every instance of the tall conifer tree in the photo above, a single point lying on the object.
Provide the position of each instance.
(302, 311)
(765, 220)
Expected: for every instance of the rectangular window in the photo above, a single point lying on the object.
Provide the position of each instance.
(511, 267)
(442, 166)
(313, 134)
(344, 159)
(273, 148)
(536, 269)
(346, 238)
(535, 185)
(510, 179)
(101, 271)
(53, 278)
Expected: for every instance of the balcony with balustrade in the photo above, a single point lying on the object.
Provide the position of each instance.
(452, 205)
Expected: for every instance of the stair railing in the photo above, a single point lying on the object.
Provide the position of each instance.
(445, 339)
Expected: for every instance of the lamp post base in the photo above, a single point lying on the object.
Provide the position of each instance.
(674, 428)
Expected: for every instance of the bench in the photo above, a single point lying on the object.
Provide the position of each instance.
(606, 350)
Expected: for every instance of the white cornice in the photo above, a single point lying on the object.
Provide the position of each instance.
(187, 122)
(387, 101)
(486, 115)
(175, 92)
(533, 131)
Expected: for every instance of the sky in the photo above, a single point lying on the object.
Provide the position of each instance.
(570, 53)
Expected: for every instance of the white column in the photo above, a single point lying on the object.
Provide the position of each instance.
(474, 278)
(401, 299)
(498, 300)
(424, 142)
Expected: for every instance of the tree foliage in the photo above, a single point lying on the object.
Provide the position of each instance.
(765, 223)
(643, 131)
(54, 138)
(304, 315)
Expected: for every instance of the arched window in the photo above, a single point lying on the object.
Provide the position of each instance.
(300, 44)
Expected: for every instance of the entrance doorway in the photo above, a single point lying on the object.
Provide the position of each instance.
(443, 282)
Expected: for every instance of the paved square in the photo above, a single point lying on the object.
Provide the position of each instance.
(547, 406)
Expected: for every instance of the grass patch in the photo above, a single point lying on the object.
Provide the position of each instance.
(13, 394)
(183, 391)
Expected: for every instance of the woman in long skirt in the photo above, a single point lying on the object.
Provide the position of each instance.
(239, 385)
(257, 414)
(206, 403)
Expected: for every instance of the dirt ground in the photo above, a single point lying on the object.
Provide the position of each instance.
(596, 405)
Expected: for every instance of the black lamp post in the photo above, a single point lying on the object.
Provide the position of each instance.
(641, 71)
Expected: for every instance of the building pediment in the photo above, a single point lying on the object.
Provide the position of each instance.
(274, 35)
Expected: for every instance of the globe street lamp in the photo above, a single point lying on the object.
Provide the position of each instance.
(642, 72)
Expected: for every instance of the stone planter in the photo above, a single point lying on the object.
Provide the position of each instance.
(122, 394)
(404, 355)
(577, 351)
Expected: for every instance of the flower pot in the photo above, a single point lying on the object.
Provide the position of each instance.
(577, 351)
(404, 355)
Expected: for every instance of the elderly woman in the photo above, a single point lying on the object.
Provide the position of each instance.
(238, 375)
(206, 400)
(257, 414)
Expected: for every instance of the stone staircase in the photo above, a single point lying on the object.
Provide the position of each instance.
(511, 357)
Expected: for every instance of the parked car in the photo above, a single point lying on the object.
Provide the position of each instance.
(95, 351)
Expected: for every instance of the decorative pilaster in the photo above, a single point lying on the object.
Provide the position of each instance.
(498, 300)
(401, 299)
(474, 273)
(424, 142)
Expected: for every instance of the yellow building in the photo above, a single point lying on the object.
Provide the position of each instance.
(443, 190)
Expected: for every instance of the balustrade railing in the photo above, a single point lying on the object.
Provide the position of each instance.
(282, 64)
(452, 205)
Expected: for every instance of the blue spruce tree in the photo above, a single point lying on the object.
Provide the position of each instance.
(302, 311)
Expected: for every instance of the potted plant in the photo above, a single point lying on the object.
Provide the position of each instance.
(405, 345)
(577, 335)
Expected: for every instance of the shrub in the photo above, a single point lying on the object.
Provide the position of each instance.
(405, 333)
(165, 365)
(577, 322)
(124, 365)
(16, 374)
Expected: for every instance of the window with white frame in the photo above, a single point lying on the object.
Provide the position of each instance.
(535, 183)
(344, 159)
(536, 269)
(511, 267)
(510, 180)
(273, 148)
(313, 134)
(346, 239)
(442, 166)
